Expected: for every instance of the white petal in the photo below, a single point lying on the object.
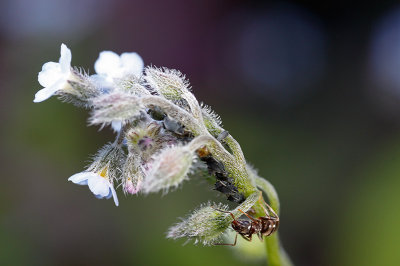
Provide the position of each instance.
(65, 58)
(132, 63)
(114, 194)
(81, 177)
(50, 73)
(46, 93)
(107, 63)
(101, 82)
(99, 186)
(116, 125)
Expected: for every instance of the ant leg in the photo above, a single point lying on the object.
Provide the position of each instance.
(261, 199)
(248, 237)
(226, 244)
(269, 207)
(248, 216)
(224, 212)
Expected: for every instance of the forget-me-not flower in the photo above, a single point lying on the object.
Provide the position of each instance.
(98, 183)
(54, 76)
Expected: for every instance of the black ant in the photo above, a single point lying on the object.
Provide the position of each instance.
(262, 226)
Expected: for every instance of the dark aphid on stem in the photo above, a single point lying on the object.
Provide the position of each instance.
(156, 113)
(223, 184)
(230, 190)
(222, 135)
(262, 226)
(173, 126)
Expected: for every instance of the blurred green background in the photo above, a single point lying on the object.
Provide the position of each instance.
(311, 91)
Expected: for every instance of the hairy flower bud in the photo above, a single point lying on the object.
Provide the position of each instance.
(169, 168)
(132, 175)
(205, 225)
(117, 106)
(169, 83)
(208, 223)
(132, 84)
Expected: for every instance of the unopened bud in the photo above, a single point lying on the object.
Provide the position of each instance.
(132, 175)
(205, 225)
(169, 169)
(117, 106)
(208, 223)
(167, 82)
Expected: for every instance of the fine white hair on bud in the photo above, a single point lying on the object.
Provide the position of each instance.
(205, 225)
(116, 106)
(169, 83)
(169, 169)
(132, 175)
(133, 85)
(210, 116)
(208, 223)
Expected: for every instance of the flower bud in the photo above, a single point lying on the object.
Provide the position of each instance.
(117, 106)
(205, 225)
(132, 174)
(169, 169)
(169, 83)
(131, 188)
(208, 223)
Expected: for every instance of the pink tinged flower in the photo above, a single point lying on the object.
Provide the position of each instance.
(130, 188)
(97, 183)
(54, 76)
(110, 65)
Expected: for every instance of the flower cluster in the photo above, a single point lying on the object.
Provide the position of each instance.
(163, 136)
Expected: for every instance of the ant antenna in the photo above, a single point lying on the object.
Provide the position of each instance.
(248, 216)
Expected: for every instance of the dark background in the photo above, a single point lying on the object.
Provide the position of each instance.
(311, 91)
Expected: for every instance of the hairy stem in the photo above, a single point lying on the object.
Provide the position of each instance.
(276, 256)
(176, 112)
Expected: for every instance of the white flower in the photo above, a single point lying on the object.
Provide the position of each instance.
(110, 65)
(54, 76)
(98, 184)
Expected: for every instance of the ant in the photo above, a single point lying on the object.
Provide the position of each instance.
(262, 226)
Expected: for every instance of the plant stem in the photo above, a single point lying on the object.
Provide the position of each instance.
(276, 256)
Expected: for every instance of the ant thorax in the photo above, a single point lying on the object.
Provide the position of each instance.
(243, 226)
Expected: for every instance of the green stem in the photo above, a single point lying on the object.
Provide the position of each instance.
(276, 256)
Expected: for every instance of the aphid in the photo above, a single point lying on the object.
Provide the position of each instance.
(156, 113)
(228, 188)
(262, 226)
(222, 135)
(173, 126)
(214, 166)
(224, 184)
